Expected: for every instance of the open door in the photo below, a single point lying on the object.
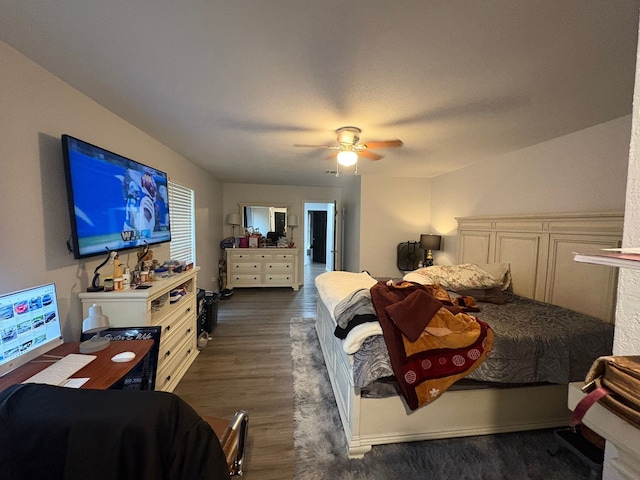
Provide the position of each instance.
(318, 236)
(322, 234)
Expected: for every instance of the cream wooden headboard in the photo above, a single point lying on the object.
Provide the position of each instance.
(539, 249)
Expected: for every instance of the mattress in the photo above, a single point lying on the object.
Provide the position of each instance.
(535, 342)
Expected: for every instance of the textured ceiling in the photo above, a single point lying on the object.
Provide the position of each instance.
(233, 85)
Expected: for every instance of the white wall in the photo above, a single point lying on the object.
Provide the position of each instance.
(349, 217)
(627, 335)
(35, 109)
(392, 210)
(584, 171)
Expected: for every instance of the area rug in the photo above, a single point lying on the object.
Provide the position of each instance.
(320, 445)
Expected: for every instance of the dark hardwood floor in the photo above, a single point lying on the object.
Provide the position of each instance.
(247, 365)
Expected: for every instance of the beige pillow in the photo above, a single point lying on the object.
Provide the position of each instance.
(466, 276)
(499, 271)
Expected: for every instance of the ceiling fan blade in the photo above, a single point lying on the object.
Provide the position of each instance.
(370, 155)
(384, 143)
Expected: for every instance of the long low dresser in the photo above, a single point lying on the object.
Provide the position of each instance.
(263, 267)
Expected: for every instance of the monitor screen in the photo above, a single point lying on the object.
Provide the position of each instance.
(115, 203)
(29, 325)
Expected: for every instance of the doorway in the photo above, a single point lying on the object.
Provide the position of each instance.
(320, 239)
(318, 235)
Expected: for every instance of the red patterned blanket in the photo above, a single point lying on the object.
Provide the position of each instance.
(432, 341)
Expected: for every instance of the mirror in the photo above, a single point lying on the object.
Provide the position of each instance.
(264, 218)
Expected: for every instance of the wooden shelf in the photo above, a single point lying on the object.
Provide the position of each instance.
(611, 259)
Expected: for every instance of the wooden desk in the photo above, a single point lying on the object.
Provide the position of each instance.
(102, 372)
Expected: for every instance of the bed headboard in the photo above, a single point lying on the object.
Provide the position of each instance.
(539, 249)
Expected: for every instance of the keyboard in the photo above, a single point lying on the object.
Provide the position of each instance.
(57, 373)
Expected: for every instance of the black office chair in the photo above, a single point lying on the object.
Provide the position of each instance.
(55, 433)
(233, 438)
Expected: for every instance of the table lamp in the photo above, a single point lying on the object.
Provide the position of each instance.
(95, 323)
(429, 242)
(234, 220)
(292, 222)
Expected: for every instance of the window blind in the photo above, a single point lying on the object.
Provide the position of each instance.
(182, 218)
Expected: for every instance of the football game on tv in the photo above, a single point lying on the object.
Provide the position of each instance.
(115, 203)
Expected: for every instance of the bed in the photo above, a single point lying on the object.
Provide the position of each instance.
(542, 275)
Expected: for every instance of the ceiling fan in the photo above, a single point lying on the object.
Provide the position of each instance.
(349, 149)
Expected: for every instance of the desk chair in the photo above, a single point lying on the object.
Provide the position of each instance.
(233, 438)
(51, 433)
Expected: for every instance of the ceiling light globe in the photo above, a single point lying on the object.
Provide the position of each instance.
(347, 158)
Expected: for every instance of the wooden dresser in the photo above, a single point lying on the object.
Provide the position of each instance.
(263, 267)
(155, 306)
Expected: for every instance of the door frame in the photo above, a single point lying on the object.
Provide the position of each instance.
(334, 233)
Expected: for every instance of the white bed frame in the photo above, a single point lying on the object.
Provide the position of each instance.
(539, 250)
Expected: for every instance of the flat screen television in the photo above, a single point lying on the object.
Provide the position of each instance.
(115, 203)
(29, 325)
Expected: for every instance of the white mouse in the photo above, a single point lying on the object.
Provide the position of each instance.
(123, 357)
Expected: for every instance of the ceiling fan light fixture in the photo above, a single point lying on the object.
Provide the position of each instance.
(347, 158)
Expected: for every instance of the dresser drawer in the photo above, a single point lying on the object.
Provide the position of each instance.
(279, 280)
(173, 367)
(178, 320)
(279, 267)
(238, 256)
(169, 345)
(263, 256)
(255, 279)
(245, 267)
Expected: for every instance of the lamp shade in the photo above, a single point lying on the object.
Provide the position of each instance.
(292, 221)
(233, 219)
(430, 242)
(95, 323)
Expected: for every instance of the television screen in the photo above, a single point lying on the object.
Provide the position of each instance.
(29, 325)
(114, 202)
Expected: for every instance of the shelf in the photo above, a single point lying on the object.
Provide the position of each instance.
(614, 257)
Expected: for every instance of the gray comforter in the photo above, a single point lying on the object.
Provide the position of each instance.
(534, 342)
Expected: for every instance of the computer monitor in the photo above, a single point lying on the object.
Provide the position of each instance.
(29, 325)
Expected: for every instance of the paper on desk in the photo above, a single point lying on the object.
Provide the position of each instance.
(75, 382)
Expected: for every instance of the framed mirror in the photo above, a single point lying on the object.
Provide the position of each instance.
(264, 218)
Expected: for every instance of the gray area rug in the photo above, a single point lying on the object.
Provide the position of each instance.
(320, 445)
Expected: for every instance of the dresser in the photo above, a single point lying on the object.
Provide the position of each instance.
(263, 267)
(156, 306)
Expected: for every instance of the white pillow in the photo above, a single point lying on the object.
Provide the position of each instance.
(417, 278)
